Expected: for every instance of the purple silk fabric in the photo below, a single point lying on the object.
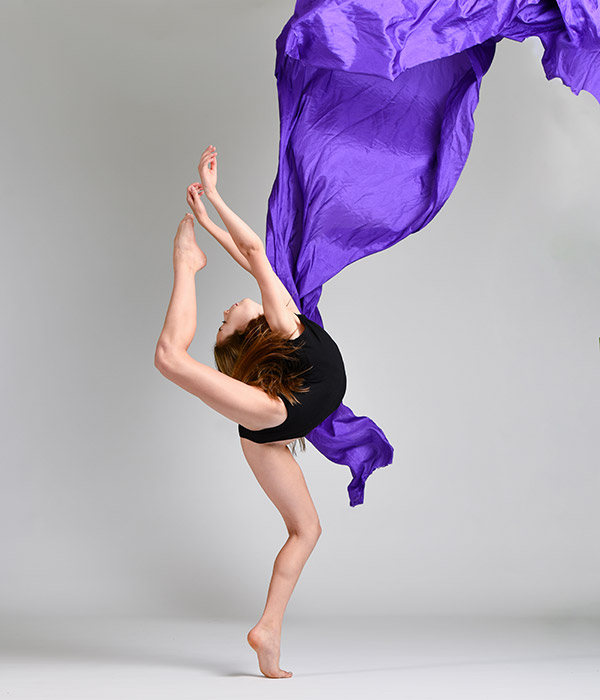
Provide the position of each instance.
(376, 103)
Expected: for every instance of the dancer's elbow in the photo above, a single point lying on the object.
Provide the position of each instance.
(162, 357)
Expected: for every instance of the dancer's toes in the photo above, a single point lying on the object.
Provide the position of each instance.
(265, 643)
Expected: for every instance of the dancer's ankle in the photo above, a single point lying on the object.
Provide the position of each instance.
(269, 624)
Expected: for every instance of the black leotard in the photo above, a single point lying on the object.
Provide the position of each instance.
(326, 380)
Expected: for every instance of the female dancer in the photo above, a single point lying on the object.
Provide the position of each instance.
(279, 375)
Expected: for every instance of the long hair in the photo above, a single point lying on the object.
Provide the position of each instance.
(264, 358)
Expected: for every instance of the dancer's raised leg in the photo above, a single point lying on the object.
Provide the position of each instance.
(180, 323)
(282, 480)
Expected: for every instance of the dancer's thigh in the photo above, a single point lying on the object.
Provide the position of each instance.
(282, 480)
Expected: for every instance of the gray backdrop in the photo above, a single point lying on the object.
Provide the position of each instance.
(473, 343)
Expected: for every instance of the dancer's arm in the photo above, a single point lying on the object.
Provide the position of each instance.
(243, 236)
(225, 239)
(275, 297)
(277, 301)
(194, 199)
(227, 242)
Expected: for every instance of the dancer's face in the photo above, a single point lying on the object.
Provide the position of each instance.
(236, 317)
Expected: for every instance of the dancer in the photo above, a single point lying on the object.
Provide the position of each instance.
(279, 376)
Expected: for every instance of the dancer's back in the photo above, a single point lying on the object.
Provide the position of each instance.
(325, 377)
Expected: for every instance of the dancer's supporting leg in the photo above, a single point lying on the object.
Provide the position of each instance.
(282, 480)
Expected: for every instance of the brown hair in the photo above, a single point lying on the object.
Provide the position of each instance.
(264, 358)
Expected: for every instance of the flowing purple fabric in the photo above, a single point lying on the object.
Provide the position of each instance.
(376, 103)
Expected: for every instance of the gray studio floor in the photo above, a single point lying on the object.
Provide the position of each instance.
(408, 658)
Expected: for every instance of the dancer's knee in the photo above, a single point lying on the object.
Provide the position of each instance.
(307, 530)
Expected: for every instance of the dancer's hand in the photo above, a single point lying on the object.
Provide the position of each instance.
(208, 175)
(194, 192)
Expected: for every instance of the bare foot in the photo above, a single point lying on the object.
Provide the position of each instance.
(265, 643)
(185, 248)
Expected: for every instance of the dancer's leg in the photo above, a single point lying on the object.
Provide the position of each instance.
(282, 480)
(180, 323)
(248, 405)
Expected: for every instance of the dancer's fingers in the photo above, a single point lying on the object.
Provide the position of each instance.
(208, 157)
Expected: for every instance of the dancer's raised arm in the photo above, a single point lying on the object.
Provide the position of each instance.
(244, 245)
(243, 236)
